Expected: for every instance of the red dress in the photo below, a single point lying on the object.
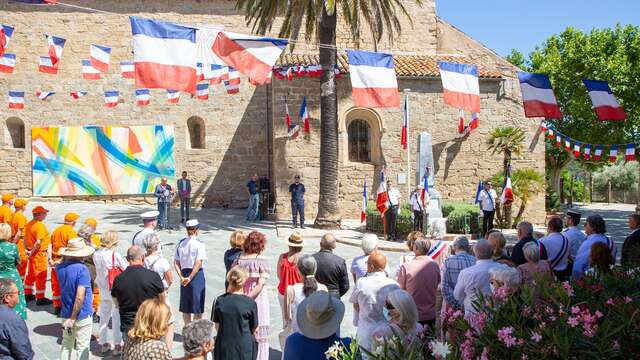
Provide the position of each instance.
(289, 274)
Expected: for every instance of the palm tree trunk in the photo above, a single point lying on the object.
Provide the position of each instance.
(328, 210)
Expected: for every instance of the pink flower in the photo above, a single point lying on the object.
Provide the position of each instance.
(573, 321)
(575, 310)
(553, 318)
(567, 288)
(484, 355)
(504, 335)
(589, 332)
(501, 293)
(524, 357)
(611, 301)
(478, 321)
(627, 299)
(598, 314)
(536, 337)
(548, 310)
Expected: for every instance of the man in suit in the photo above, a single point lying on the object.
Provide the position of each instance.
(184, 191)
(631, 245)
(332, 269)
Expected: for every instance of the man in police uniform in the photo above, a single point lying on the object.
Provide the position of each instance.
(393, 206)
(149, 222)
(297, 201)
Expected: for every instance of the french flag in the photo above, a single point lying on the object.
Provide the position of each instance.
(111, 98)
(164, 55)
(437, 249)
(314, 70)
(199, 73)
(478, 192)
(78, 94)
(587, 152)
(44, 95)
(576, 148)
(604, 103)
(173, 96)
(461, 121)
(47, 66)
(301, 70)
(56, 44)
(202, 91)
(558, 141)
(143, 97)
(598, 153)
(363, 211)
(550, 133)
(128, 69)
(613, 153)
(100, 57)
(289, 73)
(218, 73)
(475, 121)
(294, 130)
(404, 136)
(7, 63)
(381, 198)
(231, 88)
(304, 116)
(233, 76)
(460, 84)
(287, 115)
(89, 72)
(253, 56)
(630, 152)
(567, 143)
(424, 194)
(16, 99)
(506, 197)
(6, 32)
(373, 79)
(538, 97)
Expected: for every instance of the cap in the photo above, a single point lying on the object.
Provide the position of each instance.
(150, 215)
(20, 203)
(39, 210)
(193, 223)
(573, 212)
(7, 197)
(68, 217)
(91, 222)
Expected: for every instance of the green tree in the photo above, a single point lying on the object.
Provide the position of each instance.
(526, 183)
(516, 58)
(320, 19)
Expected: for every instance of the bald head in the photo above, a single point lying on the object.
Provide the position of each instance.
(483, 250)
(328, 242)
(376, 262)
(135, 255)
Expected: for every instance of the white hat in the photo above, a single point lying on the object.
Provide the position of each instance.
(193, 223)
(76, 247)
(150, 215)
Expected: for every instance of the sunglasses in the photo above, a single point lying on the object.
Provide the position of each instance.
(389, 306)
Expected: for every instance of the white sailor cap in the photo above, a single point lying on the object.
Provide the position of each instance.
(150, 215)
(193, 223)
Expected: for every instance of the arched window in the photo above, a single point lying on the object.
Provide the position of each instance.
(15, 128)
(196, 132)
(359, 140)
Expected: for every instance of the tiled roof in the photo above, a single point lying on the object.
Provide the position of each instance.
(406, 65)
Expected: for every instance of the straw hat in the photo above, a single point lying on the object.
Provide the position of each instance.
(76, 248)
(295, 240)
(319, 316)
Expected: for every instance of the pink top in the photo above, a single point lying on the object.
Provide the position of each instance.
(420, 277)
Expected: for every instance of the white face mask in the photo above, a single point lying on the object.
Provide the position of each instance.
(493, 288)
(386, 314)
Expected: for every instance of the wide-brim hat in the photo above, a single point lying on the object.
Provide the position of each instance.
(319, 316)
(76, 247)
(295, 240)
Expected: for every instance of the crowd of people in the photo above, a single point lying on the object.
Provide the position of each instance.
(91, 281)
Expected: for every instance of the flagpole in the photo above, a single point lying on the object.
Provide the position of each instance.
(406, 99)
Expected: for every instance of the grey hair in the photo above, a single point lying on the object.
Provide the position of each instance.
(403, 302)
(461, 243)
(151, 242)
(195, 335)
(422, 246)
(369, 243)
(526, 227)
(86, 231)
(135, 253)
(328, 242)
(307, 265)
(6, 287)
(531, 252)
(438, 229)
(483, 250)
(508, 276)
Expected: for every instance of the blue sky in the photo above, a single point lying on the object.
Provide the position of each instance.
(503, 25)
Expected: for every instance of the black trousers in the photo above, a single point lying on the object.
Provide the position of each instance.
(392, 215)
(418, 217)
(185, 204)
(487, 221)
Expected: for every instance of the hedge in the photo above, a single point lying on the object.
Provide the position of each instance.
(462, 218)
(404, 220)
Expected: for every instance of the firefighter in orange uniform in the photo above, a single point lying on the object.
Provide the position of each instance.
(95, 241)
(59, 239)
(5, 209)
(18, 223)
(38, 244)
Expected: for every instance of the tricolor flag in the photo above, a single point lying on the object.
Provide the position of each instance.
(460, 121)
(301, 70)
(164, 55)
(576, 148)
(587, 151)
(202, 91)
(47, 66)
(506, 197)
(630, 152)
(478, 191)
(78, 94)
(199, 73)
(233, 76)
(143, 97)
(173, 96)
(437, 249)
(44, 95)
(231, 88)
(373, 79)
(381, 198)
(128, 69)
(460, 84)
(604, 103)
(424, 194)
(558, 141)
(538, 97)
(363, 211)
(567, 143)
(304, 116)
(6, 32)
(613, 153)
(7, 63)
(293, 131)
(314, 70)
(56, 44)
(253, 56)
(287, 117)
(111, 98)
(37, 2)
(550, 133)
(89, 72)
(598, 153)
(16, 99)
(100, 57)
(218, 73)
(475, 121)
(336, 71)
(404, 136)
(543, 126)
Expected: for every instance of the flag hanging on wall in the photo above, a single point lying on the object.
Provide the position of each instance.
(218, 73)
(7, 63)
(56, 44)
(111, 98)
(567, 143)
(78, 94)
(6, 32)
(202, 91)
(630, 152)
(550, 134)
(605, 104)
(143, 97)
(304, 116)
(363, 211)
(404, 136)
(613, 153)
(173, 96)
(460, 84)
(373, 79)
(598, 153)
(44, 95)
(233, 76)
(100, 57)
(538, 97)
(47, 66)
(16, 100)
(558, 141)
(128, 70)
(89, 72)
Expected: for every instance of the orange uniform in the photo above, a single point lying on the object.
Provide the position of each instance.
(5, 214)
(17, 225)
(59, 239)
(34, 231)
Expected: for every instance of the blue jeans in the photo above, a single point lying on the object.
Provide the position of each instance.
(252, 209)
(163, 218)
(297, 207)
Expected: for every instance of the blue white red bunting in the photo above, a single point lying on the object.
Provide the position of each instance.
(44, 95)
(231, 88)
(89, 72)
(460, 85)
(16, 100)
(78, 94)
(143, 97)
(111, 98)
(7, 63)
(173, 96)
(630, 152)
(56, 44)
(47, 66)
(100, 57)
(127, 68)
(202, 91)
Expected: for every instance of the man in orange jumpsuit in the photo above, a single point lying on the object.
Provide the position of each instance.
(38, 243)
(59, 239)
(5, 209)
(17, 231)
(95, 241)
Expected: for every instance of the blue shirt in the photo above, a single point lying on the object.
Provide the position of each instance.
(297, 191)
(14, 336)
(299, 346)
(71, 275)
(581, 263)
(253, 187)
(576, 238)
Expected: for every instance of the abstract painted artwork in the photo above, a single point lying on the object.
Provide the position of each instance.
(100, 160)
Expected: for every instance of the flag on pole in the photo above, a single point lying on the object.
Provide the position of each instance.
(111, 98)
(202, 91)
(287, 116)
(16, 100)
(143, 97)
(506, 197)
(613, 153)
(598, 153)
(363, 211)
(576, 148)
(381, 198)
(100, 57)
(587, 151)
(475, 121)
(128, 69)
(404, 137)
(7, 63)
(424, 194)
(605, 104)
(6, 32)
(373, 79)
(461, 122)
(304, 116)
(56, 44)
(460, 84)
(173, 96)
(78, 94)
(630, 152)
(44, 95)
(478, 191)
(538, 97)
(47, 66)
(293, 131)
(89, 72)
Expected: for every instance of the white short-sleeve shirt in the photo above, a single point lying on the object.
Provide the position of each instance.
(138, 238)
(159, 265)
(190, 250)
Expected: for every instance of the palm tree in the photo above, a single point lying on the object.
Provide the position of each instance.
(526, 184)
(508, 141)
(320, 19)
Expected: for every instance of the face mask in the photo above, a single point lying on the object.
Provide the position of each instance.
(386, 314)
(493, 288)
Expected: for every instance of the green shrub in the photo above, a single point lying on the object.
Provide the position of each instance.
(404, 220)
(462, 218)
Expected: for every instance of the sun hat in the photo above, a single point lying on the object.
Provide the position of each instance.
(295, 240)
(319, 316)
(76, 247)
(20, 203)
(68, 217)
(7, 197)
(39, 210)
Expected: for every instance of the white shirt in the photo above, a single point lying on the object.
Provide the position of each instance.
(394, 197)
(359, 266)
(102, 259)
(576, 238)
(416, 201)
(138, 238)
(159, 265)
(557, 248)
(472, 279)
(370, 293)
(190, 250)
(488, 200)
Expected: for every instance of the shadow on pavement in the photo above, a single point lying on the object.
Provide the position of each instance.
(51, 330)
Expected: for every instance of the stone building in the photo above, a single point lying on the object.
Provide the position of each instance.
(224, 140)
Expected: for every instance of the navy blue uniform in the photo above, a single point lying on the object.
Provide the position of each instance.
(297, 202)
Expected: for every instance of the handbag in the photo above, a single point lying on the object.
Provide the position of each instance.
(114, 271)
